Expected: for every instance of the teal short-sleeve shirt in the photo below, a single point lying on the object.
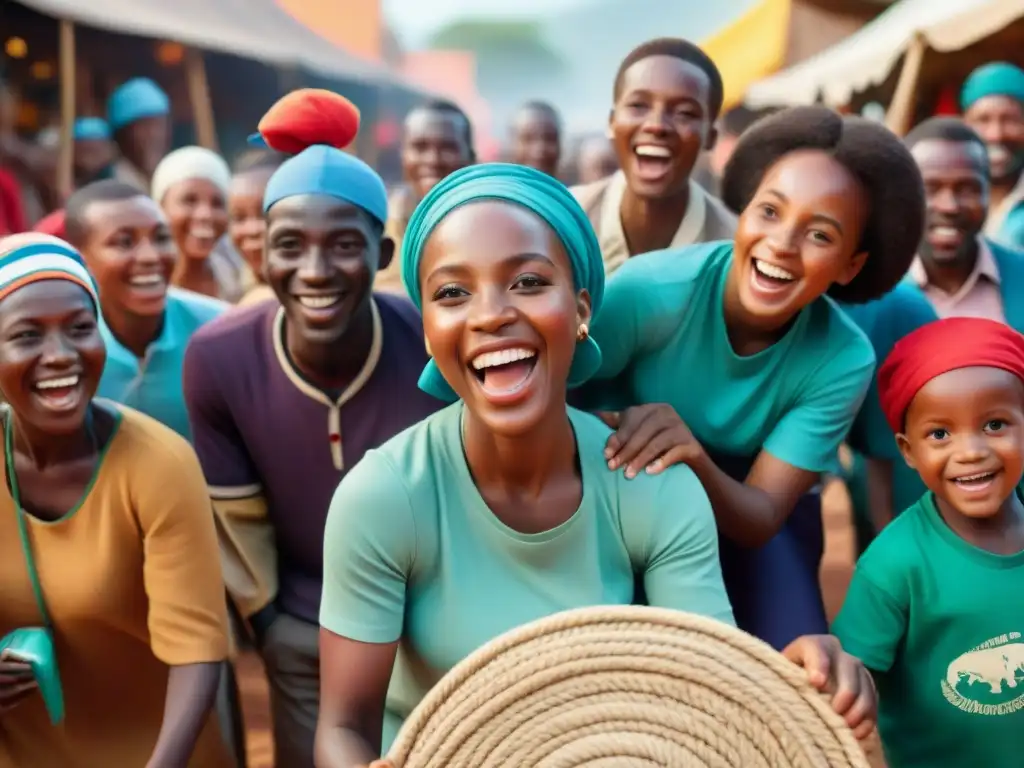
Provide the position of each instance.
(663, 337)
(941, 624)
(412, 552)
(153, 384)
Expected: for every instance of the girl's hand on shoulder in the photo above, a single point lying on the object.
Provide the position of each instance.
(648, 438)
(378, 764)
(831, 670)
(16, 683)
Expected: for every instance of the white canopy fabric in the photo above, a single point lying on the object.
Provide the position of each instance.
(867, 57)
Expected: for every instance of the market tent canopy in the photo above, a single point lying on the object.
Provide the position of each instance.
(751, 48)
(254, 29)
(867, 57)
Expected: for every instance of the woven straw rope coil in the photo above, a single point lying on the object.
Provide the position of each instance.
(622, 687)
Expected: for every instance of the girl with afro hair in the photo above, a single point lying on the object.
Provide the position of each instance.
(738, 362)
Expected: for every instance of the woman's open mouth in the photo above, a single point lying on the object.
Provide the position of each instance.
(504, 373)
(770, 281)
(59, 394)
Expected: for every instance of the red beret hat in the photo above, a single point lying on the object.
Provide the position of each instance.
(308, 117)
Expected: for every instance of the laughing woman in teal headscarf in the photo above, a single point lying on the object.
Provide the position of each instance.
(499, 509)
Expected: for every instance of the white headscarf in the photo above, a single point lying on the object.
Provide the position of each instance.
(190, 163)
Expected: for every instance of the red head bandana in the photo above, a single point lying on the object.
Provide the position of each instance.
(940, 347)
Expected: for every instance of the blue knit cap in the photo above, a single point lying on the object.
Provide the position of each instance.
(134, 100)
(91, 129)
(314, 125)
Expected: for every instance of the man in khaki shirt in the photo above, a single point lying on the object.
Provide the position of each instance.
(667, 96)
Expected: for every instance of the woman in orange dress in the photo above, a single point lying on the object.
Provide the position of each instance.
(118, 534)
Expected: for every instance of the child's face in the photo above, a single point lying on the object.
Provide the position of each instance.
(964, 435)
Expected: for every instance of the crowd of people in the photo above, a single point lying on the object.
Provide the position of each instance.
(390, 425)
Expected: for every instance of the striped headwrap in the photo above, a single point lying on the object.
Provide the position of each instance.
(31, 257)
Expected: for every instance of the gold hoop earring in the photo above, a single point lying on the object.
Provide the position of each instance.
(582, 333)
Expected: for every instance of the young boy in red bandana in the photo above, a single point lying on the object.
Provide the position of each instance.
(935, 609)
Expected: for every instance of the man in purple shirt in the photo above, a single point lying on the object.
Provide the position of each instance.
(286, 396)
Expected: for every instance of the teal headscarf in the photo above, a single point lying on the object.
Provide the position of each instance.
(998, 78)
(536, 192)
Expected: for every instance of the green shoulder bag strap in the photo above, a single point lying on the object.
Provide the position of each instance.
(33, 645)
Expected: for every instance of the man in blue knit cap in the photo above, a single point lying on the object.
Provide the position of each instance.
(138, 113)
(94, 151)
(284, 397)
(992, 100)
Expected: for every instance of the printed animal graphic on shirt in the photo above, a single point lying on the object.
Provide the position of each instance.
(988, 679)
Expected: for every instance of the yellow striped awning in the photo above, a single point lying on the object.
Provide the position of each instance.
(751, 48)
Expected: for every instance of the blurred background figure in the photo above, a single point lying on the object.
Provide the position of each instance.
(595, 159)
(993, 104)
(94, 153)
(191, 185)
(536, 137)
(731, 126)
(27, 173)
(139, 115)
(246, 227)
(437, 139)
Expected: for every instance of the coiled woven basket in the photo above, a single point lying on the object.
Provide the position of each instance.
(619, 687)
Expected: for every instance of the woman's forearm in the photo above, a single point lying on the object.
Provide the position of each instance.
(191, 691)
(746, 515)
(339, 747)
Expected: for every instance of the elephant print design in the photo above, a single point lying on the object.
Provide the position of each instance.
(984, 680)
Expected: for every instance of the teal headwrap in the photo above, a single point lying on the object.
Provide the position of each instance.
(535, 191)
(996, 79)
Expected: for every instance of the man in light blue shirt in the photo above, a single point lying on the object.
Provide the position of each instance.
(146, 324)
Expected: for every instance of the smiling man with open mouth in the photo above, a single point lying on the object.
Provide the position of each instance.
(146, 323)
(286, 396)
(666, 98)
(960, 270)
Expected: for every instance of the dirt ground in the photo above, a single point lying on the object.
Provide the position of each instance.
(835, 577)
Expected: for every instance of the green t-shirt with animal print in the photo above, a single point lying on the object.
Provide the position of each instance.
(941, 625)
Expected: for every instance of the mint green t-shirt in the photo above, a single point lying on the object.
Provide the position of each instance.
(941, 624)
(412, 551)
(663, 339)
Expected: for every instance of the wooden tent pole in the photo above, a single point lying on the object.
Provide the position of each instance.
(900, 116)
(199, 95)
(66, 156)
